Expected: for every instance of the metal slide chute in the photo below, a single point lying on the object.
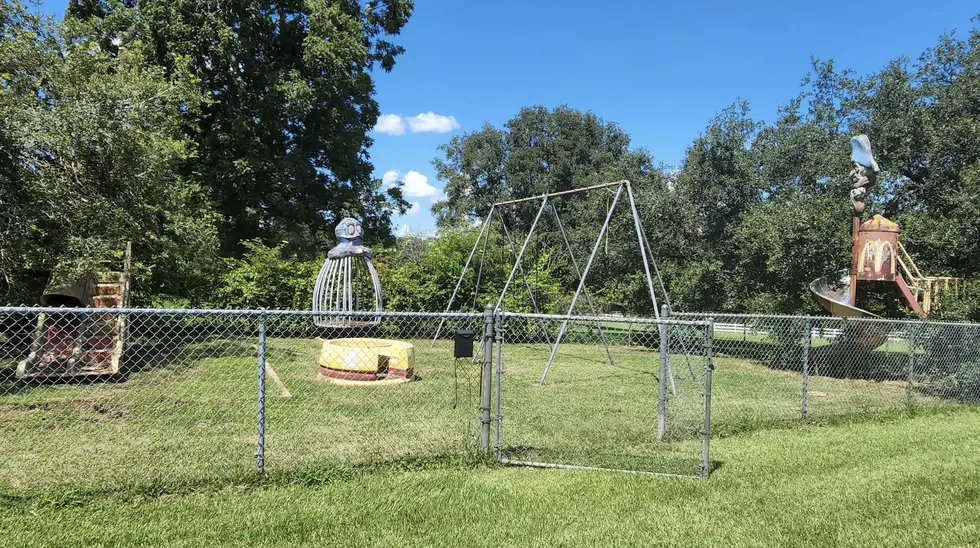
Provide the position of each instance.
(833, 292)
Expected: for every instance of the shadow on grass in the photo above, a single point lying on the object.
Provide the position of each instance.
(721, 429)
(836, 360)
(669, 462)
(66, 495)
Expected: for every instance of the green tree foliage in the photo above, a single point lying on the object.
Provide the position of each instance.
(538, 151)
(90, 142)
(717, 180)
(420, 274)
(266, 278)
(287, 102)
(543, 151)
(757, 211)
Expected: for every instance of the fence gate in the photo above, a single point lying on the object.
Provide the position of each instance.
(628, 395)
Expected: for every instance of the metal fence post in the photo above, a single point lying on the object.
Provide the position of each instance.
(705, 468)
(498, 416)
(807, 334)
(912, 343)
(260, 433)
(486, 377)
(662, 377)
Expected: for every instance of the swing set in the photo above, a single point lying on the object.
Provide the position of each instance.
(547, 203)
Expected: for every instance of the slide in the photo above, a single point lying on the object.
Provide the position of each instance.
(833, 293)
(67, 344)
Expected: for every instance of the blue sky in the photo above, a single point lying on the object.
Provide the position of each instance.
(661, 70)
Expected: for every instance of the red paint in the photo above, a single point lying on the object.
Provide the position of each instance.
(909, 297)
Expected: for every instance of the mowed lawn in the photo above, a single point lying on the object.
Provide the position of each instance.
(166, 456)
(908, 482)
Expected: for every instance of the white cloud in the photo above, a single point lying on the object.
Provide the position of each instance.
(430, 121)
(415, 209)
(390, 177)
(416, 185)
(392, 124)
(403, 231)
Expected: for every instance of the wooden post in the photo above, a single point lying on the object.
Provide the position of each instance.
(927, 297)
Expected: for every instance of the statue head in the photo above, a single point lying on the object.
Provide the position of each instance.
(861, 152)
(349, 231)
(864, 172)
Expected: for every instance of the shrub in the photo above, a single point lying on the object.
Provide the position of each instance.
(264, 278)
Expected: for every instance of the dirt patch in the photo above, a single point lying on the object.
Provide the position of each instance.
(89, 408)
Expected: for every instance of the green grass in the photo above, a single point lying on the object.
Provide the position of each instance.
(914, 482)
(166, 456)
(187, 414)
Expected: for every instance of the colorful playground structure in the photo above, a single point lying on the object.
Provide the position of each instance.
(877, 255)
(67, 344)
(365, 360)
(347, 282)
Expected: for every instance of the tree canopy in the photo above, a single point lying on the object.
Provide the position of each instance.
(225, 139)
(757, 210)
(286, 102)
(91, 143)
(189, 128)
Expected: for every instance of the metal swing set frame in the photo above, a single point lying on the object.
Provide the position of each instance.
(650, 267)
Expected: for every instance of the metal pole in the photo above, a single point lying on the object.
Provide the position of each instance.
(510, 278)
(562, 193)
(643, 251)
(663, 290)
(483, 260)
(527, 285)
(578, 273)
(498, 416)
(581, 284)
(912, 343)
(487, 380)
(520, 255)
(465, 267)
(807, 331)
(705, 467)
(665, 314)
(662, 384)
(260, 433)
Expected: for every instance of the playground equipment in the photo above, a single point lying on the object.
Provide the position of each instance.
(69, 344)
(364, 360)
(877, 254)
(347, 281)
(547, 203)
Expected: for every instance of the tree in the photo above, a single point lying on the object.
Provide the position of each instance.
(537, 152)
(542, 151)
(286, 99)
(90, 141)
(718, 179)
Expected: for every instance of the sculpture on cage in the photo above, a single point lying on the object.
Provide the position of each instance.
(348, 282)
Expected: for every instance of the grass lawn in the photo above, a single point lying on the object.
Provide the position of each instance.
(166, 455)
(909, 482)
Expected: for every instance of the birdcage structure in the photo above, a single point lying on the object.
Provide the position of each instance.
(348, 283)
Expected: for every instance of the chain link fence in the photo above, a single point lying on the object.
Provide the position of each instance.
(111, 399)
(107, 399)
(780, 370)
(626, 394)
